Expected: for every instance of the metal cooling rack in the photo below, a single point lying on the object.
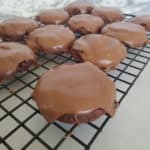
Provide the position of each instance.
(22, 126)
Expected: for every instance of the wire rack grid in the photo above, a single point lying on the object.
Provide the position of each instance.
(22, 126)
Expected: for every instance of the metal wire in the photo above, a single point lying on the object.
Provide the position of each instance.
(124, 77)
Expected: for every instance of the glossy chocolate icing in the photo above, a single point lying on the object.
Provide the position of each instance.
(14, 29)
(53, 16)
(74, 89)
(12, 54)
(109, 14)
(103, 51)
(79, 7)
(143, 20)
(51, 39)
(85, 23)
(131, 34)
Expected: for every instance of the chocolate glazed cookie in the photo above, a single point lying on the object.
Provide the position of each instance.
(79, 7)
(143, 20)
(131, 34)
(51, 39)
(14, 58)
(85, 23)
(109, 14)
(101, 50)
(15, 29)
(53, 16)
(64, 93)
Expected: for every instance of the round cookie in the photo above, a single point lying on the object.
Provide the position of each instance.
(103, 51)
(143, 20)
(14, 57)
(16, 28)
(131, 34)
(85, 23)
(51, 39)
(109, 14)
(53, 16)
(64, 93)
(79, 8)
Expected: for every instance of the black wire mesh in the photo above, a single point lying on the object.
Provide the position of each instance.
(22, 126)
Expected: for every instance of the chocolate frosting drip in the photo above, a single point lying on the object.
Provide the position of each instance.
(109, 14)
(53, 16)
(15, 28)
(74, 89)
(85, 23)
(131, 34)
(79, 8)
(51, 39)
(12, 56)
(101, 50)
(143, 20)
(82, 117)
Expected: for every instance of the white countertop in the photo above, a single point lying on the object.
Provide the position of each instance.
(130, 128)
